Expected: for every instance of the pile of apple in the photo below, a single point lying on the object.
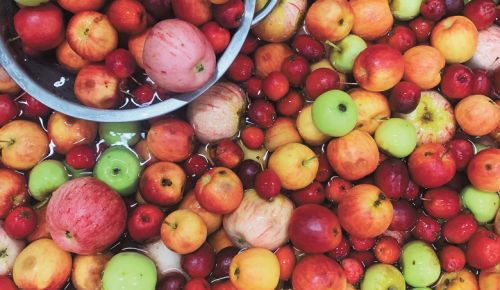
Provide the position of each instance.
(357, 149)
(129, 51)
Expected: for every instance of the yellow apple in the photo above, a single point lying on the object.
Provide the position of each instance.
(282, 132)
(423, 65)
(456, 38)
(373, 109)
(462, 280)
(183, 231)
(212, 220)
(255, 268)
(489, 279)
(67, 132)
(308, 130)
(87, 271)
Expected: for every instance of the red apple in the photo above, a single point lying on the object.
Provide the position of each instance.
(76, 6)
(452, 259)
(267, 184)
(223, 261)
(296, 68)
(41, 27)
(176, 132)
(367, 205)
(412, 191)
(172, 281)
(378, 68)
(337, 188)
(162, 183)
(462, 152)
(422, 28)
(484, 170)
(431, 165)
(85, 216)
(483, 249)
(460, 228)
(199, 264)
(318, 272)
(226, 153)
(481, 12)
(144, 223)
(128, 16)
(481, 83)
(8, 109)
(433, 9)
(314, 229)
(314, 193)
(252, 137)
(275, 86)
(320, 81)
(91, 35)
(330, 20)
(404, 217)
(20, 222)
(32, 108)
(159, 9)
(121, 62)
(197, 284)
(387, 250)
(366, 258)
(247, 172)
(427, 229)
(97, 87)
(454, 7)
(308, 47)
(6, 283)
(230, 13)
(404, 97)
(353, 270)
(217, 35)
(457, 81)
(287, 260)
(361, 244)
(13, 191)
(392, 177)
(342, 250)
(196, 12)
(442, 203)
(219, 190)
(401, 37)
(262, 113)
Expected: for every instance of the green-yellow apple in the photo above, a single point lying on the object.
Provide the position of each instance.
(381, 277)
(397, 137)
(421, 266)
(344, 52)
(119, 168)
(31, 2)
(334, 113)
(295, 164)
(46, 177)
(483, 205)
(433, 118)
(461, 280)
(308, 130)
(405, 9)
(456, 37)
(123, 133)
(129, 271)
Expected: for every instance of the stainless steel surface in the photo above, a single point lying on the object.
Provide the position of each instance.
(53, 86)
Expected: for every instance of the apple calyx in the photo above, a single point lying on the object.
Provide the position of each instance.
(144, 218)
(68, 234)
(333, 45)
(237, 273)
(380, 199)
(3, 253)
(166, 182)
(199, 68)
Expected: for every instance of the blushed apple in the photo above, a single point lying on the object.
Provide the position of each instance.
(295, 164)
(212, 220)
(477, 115)
(329, 19)
(76, 6)
(66, 132)
(282, 132)
(433, 119)
(431, 158)
(255, 262)
(183, 231)
(489, 278)
(423, 65)
(258, 222)
(372, 18)
(68, 58)
(97, 87)
(372, 107)
(483, 170)
(460, 280)
(13, 191)
(7, 84)
(42, 265)
(85, 216)
(219, 190)
(128, 16)
(176, 132)
(318, 272)
(86, 273)
(136, 46)
(383, 276)
(456, 37)
(22, 144)
(162, 183)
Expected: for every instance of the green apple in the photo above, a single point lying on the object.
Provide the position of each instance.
(31, 2)
(129, 271)
(405, 9)
(344, 53)
(478, 147)
(46, 177)
(433, 118)
(420, 263)
(397, 137)
(421, 288)
(382, 277)
(125, 133)
(334, 113)
(483, 205)
(119, 168)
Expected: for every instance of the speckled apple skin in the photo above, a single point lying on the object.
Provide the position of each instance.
(90, 212)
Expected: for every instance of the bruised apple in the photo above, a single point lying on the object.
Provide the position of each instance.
(85, 216)
(86, 274)
(365, 205)
(258, 222)
(270, 58)
(97, 87)
(191, 59)
(282, 22)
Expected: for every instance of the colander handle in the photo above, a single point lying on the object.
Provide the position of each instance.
(263, 13)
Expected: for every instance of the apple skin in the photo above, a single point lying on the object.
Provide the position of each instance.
(383, 276)
(477, 115)
(392, 177)
(295, 164)
(41, 28)
(489, 278)
(421, 266)
(270, 57)
(314, 229)
(129, 270)
(443, 203)
(457, 81)
(379, 67)
(423, 65)
(91, 35)
(318, 272)
(11, 248)
(483, 205)
(212, 220)
(373, 109)
(94, 212)
(397, 137)
(456, 37)
(27, 144)
(354, 155)
(334, 113)
(144, 222)
(172, 131)
(66, 132)
(487, 51)
(282, 23)
(461, 280)
(405, 9)
(307, 130)
(68, 58)
(127, 16)
(76, 6)
(282, 132)
(162, 183)
(252, 263)
(183, 231)
(13, 191)
(372, 18)
(196, 12)
(136, 46)
(7, 84)
(219, 190)
(433, 119)
(366, 205)
(329, 19)
(258, 222)
(483, 170)
(483, 249)
(431, 158)
(345, 51)
(46, 177)
(460, 228)
(86, 273)
(42, 265)
(97, 87)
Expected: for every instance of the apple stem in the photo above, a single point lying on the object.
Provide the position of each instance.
(331, 44)
(13, 38)
(7, 141)
(20, 95)
(305, 162)
(349, 83)
(135, 81)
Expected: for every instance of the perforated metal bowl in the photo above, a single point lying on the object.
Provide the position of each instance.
(53, 85)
